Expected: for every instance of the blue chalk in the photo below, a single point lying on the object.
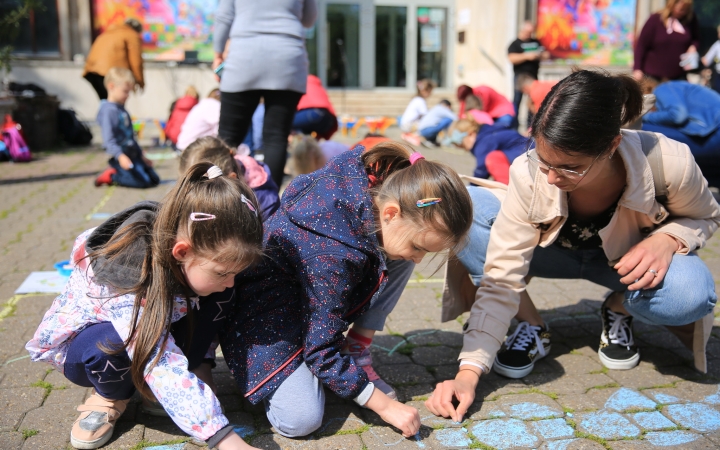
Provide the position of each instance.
(625, 399)
(166, 447)
(494, 414)
(695, 415)
(713, 399)
(609, 425)
(503, 434)
(528, 410)
(452, 438)
(553, 428)
(670, 438)
(559, 445)
(652, 420)
(243, 430)
(666, 399)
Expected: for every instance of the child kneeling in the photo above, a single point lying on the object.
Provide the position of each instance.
(128, 165)
(148, 294)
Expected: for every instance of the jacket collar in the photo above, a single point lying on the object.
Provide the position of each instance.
(549, 202)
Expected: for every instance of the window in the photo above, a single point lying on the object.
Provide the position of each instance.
(343, 45)
(390, 32)
(311, 46)
(432, 44)
(39, 33)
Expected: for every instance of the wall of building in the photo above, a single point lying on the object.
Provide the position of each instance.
(489, 26)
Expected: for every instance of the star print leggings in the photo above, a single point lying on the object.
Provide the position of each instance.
(88, 366)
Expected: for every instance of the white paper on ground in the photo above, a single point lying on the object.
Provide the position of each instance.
(44, 282)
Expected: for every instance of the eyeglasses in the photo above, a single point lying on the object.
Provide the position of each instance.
(545, 167)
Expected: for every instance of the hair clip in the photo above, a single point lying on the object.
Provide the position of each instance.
(213, 172)
(248, 203)
(415, 157)
(200, 216)
(428, 202)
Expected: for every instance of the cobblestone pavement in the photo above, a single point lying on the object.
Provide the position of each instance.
(569, 402)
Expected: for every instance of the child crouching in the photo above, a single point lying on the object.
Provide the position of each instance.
(128, 165)
(120, 323)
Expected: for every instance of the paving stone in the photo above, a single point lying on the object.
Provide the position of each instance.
(449, 438)
(577, 384)
(581, 402)
(50, 420)
(447, 372)
(160, 429)
(481, 410)
(11, 441)
(433, 356)
(666, 439)
(577, 364)
(572, 444)
(553, 429)
(607, 425)
(48, 440)
(404, 374)
(21, 399)
(505, 433)
(408, 393)
(624, 399)
(642, 376)
(696, 416)
(23, 373)
(448, 338)
(10, 420)
(382, 437)
(126, 436)
(529, 406)
(340, 418)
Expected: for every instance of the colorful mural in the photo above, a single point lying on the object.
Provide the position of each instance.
(170, 27)
(593, 32)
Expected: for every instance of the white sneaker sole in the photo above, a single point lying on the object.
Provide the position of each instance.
(77, 443)
(619, 364)
(518, 372)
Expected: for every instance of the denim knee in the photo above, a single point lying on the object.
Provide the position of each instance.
(686, 294)
(485, 210)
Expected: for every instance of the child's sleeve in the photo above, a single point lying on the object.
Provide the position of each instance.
(191, 404)
(109, 121)
(328, 281)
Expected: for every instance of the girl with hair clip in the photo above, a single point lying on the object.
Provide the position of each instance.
(339, 253)
(150, 289)
(584, 202)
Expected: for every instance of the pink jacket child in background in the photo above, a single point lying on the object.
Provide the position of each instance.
(203, 120)
(180, 111)
(491, 102)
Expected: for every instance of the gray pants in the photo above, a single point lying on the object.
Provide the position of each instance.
(297, 406)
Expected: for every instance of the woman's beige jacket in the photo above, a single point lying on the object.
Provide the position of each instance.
(532, 214)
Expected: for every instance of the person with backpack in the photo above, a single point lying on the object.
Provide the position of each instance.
(584, 202)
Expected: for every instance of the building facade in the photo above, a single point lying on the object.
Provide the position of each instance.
(369, 53)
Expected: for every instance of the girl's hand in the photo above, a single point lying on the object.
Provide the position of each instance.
(403, 417)
(234, 442)
(654, 253)
(125, 161)
(462, 388)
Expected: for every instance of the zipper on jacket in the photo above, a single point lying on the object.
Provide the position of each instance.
(377, 286)
(259, 385)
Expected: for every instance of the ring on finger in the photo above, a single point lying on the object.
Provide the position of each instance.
(653, 271)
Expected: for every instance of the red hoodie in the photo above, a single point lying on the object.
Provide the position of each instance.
(177, 117)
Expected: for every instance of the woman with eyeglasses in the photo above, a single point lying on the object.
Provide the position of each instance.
(581, 204)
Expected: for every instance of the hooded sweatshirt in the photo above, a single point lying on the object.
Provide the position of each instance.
(178, 116)
(89, 298)
(324, 268)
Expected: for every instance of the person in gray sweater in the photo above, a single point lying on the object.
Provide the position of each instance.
(266, 58)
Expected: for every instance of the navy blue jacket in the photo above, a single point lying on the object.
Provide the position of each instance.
(494, 137)
(691, 109)
(323, 269)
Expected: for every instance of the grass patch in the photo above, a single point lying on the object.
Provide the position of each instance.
(26, 433)
(431, 370)
(406, 349)
(660, 386)
(567, 410)
(145, 444)
(438, 426)
(474, 443)
(603, 386)
(575, 352)
(420, 398)
(47, 386)
(357, 431)
(533, 390)
(639, 410)
(592, 437)
(603, 371)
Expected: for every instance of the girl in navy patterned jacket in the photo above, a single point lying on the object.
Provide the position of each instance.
(339, 251)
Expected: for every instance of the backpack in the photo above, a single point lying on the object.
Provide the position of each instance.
(651, 147)
(19, 151)
(72, 130)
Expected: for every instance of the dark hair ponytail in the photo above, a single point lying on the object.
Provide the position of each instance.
(583, 113)
(394, 178)
(232, 238)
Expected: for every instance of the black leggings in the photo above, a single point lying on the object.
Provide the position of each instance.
(97, 82)
(236, 111)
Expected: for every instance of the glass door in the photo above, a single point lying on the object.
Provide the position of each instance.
(343, 45)
(390, 44)
(432, 46)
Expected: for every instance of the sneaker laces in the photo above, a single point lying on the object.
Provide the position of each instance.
(620, 332)
(523, 336)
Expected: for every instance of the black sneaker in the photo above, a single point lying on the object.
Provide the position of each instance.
(521, 349)
(617, 347)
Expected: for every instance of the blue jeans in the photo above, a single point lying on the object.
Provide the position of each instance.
(505, 121)
(318, 120)
(430, 133)
(139, 176)
(686, 294)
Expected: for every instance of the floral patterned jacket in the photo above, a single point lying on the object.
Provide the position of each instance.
(190, 403)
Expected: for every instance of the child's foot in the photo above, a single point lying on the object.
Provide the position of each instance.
(364, 360)
(617, 347)
(96, 423)
(521, 350)
(105, 178)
